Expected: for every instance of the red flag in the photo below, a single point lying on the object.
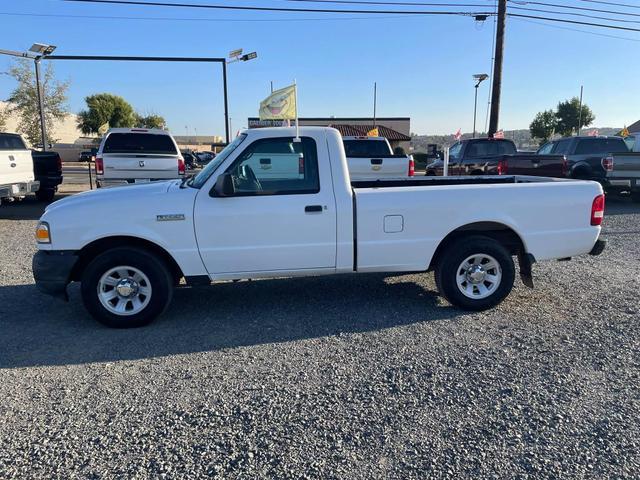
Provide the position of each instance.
(499, 134)
(458, 135)
(593, 133)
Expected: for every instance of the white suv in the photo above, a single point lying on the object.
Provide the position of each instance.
(137, 155)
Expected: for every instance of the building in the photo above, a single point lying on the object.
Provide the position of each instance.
(395, 129)
(634, 128)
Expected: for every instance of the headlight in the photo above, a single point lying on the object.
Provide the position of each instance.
(43, 235)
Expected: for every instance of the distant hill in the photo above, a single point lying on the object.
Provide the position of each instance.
(522, 138)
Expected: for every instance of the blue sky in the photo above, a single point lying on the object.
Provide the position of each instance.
(423, 65)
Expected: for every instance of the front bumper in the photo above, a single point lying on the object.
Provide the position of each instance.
(52, 271)
(599, 247)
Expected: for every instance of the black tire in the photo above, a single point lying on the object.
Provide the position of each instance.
(45, 195)
(451, 260)
(155, 270)
(635, 196)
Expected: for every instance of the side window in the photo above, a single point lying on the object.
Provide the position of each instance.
(454, 152)
(277, 166)
(506, 148)
(545, 149)
(562, 147)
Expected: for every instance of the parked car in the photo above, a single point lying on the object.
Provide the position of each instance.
(88, 155)
(235, 220)
(489, 156)
(372, 157)
(48, 171)
(204, 157)
(584, 155)
(17, 178)
(633, 142)
(190, 160)
(623, 173)
(137, 155)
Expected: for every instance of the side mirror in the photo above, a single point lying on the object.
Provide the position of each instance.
(224, 186)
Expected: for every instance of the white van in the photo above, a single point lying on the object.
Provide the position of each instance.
(137, 155)
(16, 168)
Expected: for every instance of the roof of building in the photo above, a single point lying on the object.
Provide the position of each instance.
(348, 130)
(634, 128)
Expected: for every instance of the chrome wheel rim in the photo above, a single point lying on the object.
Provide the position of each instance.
(124, 290)
(479, 276)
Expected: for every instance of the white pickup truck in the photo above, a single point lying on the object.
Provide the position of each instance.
(16, 168)
(130, 247)
(370, 158)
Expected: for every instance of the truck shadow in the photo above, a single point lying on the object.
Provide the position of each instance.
(38, 330)
(28, 209)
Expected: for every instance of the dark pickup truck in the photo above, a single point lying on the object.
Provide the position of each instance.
(47, 169)
(488, 156)
(586, 156)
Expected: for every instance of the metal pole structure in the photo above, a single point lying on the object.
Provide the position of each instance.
(226, 103)
(375, 101)
(497, 68)
(580, 112)
(271, 86)
(475, 110)
(445, 164)
(40, 89)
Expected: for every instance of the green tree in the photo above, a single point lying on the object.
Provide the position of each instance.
(544, 125)
(3, 120)
(568, 116)
(23, 101)
(105, 109)
(150, 121)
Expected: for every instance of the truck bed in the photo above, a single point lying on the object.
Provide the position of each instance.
(442, 181)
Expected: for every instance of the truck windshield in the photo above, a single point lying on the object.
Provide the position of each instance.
(213, 165)
(11, 142)
(366, 148)
(139, 143)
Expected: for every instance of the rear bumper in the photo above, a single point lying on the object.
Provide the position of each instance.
(19, 189)
(52, 271)
(599, 247)
(113, 182)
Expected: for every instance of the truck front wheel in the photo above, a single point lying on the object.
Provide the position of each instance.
(475, 273)
(126, 288)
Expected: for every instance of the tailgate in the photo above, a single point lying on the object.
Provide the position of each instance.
(140, 166)
(537, 165)
(625, 166)
(367, 168)
(16, 166)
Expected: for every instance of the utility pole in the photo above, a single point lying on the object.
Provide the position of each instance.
(375, 101)
(40, 88)
(497, 68)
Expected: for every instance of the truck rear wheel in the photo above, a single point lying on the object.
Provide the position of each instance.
(475, 273)
(635, 196)
(126, 288)
(45, 195)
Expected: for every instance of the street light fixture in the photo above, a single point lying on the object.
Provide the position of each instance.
(234, 56)
(42, 48)
(479, 78)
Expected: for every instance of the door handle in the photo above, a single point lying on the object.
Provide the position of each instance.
(313, 208)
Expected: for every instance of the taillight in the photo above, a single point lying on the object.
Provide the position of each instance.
(181, 166)
(564, 170)
(412, 167)
(59, 163)
(607, 164)
(502, 167)
(99, 166)
(597, 210)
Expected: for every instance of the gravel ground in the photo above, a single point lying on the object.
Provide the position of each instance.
(342, 377)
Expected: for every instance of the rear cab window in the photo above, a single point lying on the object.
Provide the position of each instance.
(588, 146)
(11, 142)
(144, 143)
(366, 148)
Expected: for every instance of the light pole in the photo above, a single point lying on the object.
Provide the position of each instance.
(36, 53)
(479, 78)
(234, 56)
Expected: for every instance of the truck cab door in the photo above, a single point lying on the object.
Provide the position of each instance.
(278, 214)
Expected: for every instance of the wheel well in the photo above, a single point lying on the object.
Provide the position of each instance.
(498, 231)
(95, 248)
(477, 172)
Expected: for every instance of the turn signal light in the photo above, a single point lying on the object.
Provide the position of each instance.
(412, 167)
(597, 211)
(181, 166)
(607, 164)
(42, 233)
(99, 166)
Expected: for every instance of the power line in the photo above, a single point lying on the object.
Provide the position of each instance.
(573, 7)
(611, 3)
(578, 30)
(575, 22)
(277, 9)
(583, 15)
(400, 4)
